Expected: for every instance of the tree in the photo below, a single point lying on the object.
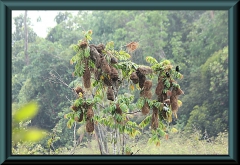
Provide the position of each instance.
(210, 106)
(99, 105)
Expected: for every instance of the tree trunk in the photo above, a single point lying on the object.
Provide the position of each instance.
(26, 38)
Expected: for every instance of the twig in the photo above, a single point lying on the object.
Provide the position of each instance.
(137, 151)
(133, 112)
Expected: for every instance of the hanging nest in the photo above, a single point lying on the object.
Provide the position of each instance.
(98, 62)
(162, 97)
(97, 74)
(79, 90)
(145, 108)
(79, 118)
(147, 85)
(142, 79)
(89, 125)
(134, 78)
(107, 81)
(118, 109)
(104, 66)
(154, 121)
(159, 87)
(179, 91)
(100, 48)
(94, 54)
(144, 70)
(110, 94)
(114, 74)
(87, 77)
(174, 101)
(148, 94)
(169, 93)
(90, 112)
(167, 101)
(83, 44)
(132, 46)
(114, 60)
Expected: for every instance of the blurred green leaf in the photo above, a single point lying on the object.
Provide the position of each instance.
(26, 112)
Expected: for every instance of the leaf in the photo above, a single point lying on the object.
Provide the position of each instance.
(151, 60)
(179, 103)
(132, 87)
(30, 135)
(174, 130)
(34, 135)
(26, 112)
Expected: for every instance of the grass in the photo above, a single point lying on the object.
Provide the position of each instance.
(177, 144)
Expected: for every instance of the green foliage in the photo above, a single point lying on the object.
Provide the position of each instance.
(21, 133)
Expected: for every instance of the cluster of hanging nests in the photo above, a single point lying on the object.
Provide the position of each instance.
(85, 110)
(104, 69)
(170, 97)
(108, 74)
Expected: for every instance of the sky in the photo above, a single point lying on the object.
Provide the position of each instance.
(47, 19)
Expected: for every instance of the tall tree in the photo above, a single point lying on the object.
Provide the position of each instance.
(26, 39)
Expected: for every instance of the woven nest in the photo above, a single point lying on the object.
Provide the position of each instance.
(147, 94)
(174, 103)
(144, 70)
(154, 121)
(114, 74)
(167, 101)
(179, 91)
(145, 108)
(100, 48)
(107, 81)
(169, 93)
(132, 46)
(110, 94)
(160, 87)
(134, 78)
(113, 60)
(79, 118)
(155, 117)
(89, 125)
(98, 62)
(142, 79)
(104, 66)
(118, 109)
(97, 74)
(90, 112)
(162, 97)
(79, 90)
(147, 85)
(87, 77)
(83, 44)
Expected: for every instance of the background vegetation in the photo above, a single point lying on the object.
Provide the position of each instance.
(197, 41)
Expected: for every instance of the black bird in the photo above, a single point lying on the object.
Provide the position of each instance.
(177, 68)
(168, 75)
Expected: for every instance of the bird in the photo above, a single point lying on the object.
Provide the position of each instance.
(168, 75)
(177, 68)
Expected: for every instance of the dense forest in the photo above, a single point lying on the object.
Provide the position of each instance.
(196, 41)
